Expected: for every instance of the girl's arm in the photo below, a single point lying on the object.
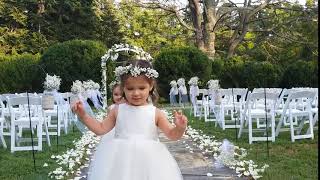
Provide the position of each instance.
(171, 131)
(95, 126)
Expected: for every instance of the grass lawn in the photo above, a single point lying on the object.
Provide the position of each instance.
(19, 165)
(287, 160)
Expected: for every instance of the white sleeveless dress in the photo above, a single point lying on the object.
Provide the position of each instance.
(135, 152)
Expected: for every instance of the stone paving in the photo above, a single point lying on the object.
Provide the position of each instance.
(194, 166)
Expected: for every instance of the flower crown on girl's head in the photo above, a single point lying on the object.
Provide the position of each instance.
(135, 71)
(113, 83)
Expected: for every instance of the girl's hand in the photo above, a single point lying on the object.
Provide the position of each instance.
(78, 108)
(181, 120)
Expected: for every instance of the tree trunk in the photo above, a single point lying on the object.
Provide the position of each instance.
(196, 20)
(210, 19)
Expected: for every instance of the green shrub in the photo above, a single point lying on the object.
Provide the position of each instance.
(300, 74)
(185, 62)
(261, 74)
(76, 60)
(232, 73)
(19, 73)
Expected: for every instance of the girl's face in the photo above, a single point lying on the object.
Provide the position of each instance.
(136, 90)
(116, 94)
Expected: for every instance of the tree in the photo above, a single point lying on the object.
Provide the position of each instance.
(209, 17)
(150, 29)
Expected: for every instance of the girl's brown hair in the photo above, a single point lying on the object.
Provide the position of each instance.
(142, 64)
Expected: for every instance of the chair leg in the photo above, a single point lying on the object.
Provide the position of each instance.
(250, 130)
(13, 138)
(314, 121)
(39, 134)
(291, 128)
(47, 133)
(2, 138)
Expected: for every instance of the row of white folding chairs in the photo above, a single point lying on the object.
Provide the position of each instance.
(218, 104)
(61, 112)
(287, 112)
(257, 106)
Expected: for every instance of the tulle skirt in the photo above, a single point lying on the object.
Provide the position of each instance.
(133, 159)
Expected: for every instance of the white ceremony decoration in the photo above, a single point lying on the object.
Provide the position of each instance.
(76, 90)
(181, 82)
(113, 54)
(76, 87)
(193, 90)
(193, 81)
(214, 86)
(51, 85)
(173, 83)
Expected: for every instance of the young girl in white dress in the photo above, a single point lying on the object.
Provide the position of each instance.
(135, 152)
(102, 147)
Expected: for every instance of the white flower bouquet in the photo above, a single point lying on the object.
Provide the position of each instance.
(193, 81)
(88, 85)
(173, 83)
(181, 82)
(52, 82)
(213, 84)
(96, 86)
(76, 87)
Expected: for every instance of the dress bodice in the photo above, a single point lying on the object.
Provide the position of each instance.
(136, 122)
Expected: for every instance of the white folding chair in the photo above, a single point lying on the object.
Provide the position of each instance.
(2, 120)
(232, 101)
(197, 103)
(57, 117)
(31, 112)
(253, 112)
(292, 108)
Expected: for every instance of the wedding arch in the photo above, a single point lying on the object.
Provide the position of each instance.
(113, 54)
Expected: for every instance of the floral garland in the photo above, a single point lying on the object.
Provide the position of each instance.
(135, 71)
(113, 54)
(52, 82)
(193, 81)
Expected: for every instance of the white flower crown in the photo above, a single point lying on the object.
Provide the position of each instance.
(113, 83)
(135, 71)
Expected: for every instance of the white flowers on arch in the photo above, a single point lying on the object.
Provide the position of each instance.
(113, 54)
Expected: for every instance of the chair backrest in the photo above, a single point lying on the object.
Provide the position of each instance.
(34, 103)
(2, 107)
(295, 98)
(269, 98)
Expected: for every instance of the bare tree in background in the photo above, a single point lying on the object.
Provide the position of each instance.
(207, 16)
